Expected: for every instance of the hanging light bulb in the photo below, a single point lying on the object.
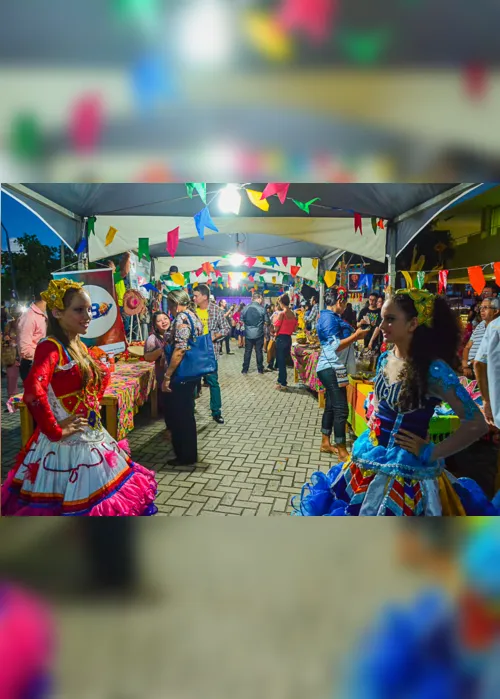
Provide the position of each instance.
(230, 199)
(236, 260)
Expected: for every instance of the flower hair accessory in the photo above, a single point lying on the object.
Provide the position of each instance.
(54, 296)
(341, 294)
(424, 304)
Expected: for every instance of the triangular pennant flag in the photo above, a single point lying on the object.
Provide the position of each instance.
(91, 225)
(187, 277)
(374, 224)
(268, 264)
(294, 270)
(215, 263)
(200, 187)
(255, 286)
(262, 279)
(305, 205)
(273, 261)
(195, 285)
(262, 259)
(496, 269)
(82, 246)
(330, 278)
(143, 249)
(244, 275)
(26, 137)
(250, 261)
(443, 280)
(279, 188)
(110, 235)
(218, 273)
(321, 280)
(477, 280)
(274, 280)
(251, 277)
(203, 220)
(198, 272)
(299, 261)
(206, 267)
(315, 263)
(358, 223)
(380, 223)
(149, 287)
(284, 261)
(172, 241)
(420, 281)
(256, 200)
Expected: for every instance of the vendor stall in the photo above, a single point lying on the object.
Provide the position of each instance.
(305, 360)
(131, 385)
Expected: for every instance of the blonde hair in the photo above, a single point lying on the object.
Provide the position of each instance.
(89, 368)
(178, 297)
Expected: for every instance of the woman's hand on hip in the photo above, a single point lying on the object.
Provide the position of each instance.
(73, 424)
(411, 442)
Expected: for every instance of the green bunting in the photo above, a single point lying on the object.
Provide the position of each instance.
(374, 224)
(305, 205)
(200, 187)
(298, 262)
(364, 47)
(90, 225)
(26, 137)
(187, 277)
(420, 280)
(144, 249)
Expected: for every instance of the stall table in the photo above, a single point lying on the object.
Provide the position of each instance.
(130, 387)
(305, 361)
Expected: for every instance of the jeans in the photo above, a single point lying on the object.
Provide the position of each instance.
(249, 345)
(182, 422)
(215, 394)
(336, 409)
(283, 347)
(24, 368)
(228, 346)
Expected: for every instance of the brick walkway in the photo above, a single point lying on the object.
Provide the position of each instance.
(250, 466)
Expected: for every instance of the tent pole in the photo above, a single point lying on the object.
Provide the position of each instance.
(12, 269)
(391, 254)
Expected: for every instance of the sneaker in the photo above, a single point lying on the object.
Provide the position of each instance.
(219, 419)
(261, 371)
(244, 372)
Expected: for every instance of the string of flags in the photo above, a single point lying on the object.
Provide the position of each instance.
(475, 273)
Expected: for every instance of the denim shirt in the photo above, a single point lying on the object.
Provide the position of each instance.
(331, 329)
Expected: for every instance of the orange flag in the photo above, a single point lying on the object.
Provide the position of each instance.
(477, 280)
(496, 269)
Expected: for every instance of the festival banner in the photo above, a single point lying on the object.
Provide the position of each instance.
(106, 327)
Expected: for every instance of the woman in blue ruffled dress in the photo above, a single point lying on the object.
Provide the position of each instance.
(394, 469)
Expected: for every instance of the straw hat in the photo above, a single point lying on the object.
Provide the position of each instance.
(133, 302)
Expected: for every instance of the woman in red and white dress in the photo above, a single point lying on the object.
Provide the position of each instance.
(72, 465)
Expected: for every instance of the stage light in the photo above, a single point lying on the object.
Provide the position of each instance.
(230, 199)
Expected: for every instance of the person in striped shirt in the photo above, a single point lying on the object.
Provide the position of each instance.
(489, 311)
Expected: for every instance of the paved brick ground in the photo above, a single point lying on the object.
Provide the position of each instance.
(250, 466)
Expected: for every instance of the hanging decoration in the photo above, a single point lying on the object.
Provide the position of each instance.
(280, 189)
(274, 261)
(26, 137)
(298, 261)
(496, 270)
(187, 277)
(203, 220)
(475, 78)
(86, 122)
(374, 224)
(420, 280)
(408, 279)
(172, 241)
(256, 199)
(268, 36)
(330, 278)
(110, 236)
(149, 287)
(218, 274)
(250, 261)
(294, 269)
(82, 246)
(198, 272)
(284, 261)
(91, 225)
(261, 259)
(364, 47)
(304, 206)
(358, 223)
(314, 18)
(315, 263)
(443, 280)
(152, 81)
(477, 280)
(274, 280)
(201, 188)
(144, 249)
(381, 224)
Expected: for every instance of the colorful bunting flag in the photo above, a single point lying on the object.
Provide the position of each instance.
(374, 224)
(256, 199)
(200, 187)
(358, 223)
(198, 272)
(280, 189)
(381, 224)
(261, 259)
(274, 280)
(172, 241)
(110, 235)
(26, 137)
(143, 249)
(477, 280)
(294, 270)
(149, 287)
(496, 270)
(443, 280)
(203, 220)
(82, 246)
(268, 37)
(315, 263)
(364, 47)
(86, 122)
(250, 261)
(284, 261)
(187, 277)
(420, 281)
(91, 225)
(218, 273)
(274, 261)
(298, 261)
(304, 206)
(330, 278)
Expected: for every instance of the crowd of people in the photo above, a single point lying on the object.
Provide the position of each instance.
(71, 465)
